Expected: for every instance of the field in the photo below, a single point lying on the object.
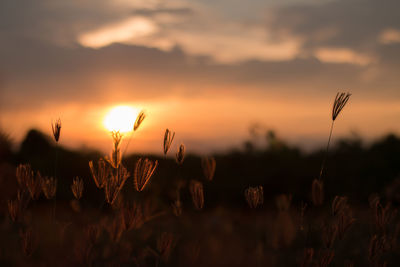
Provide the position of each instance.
(253, 206)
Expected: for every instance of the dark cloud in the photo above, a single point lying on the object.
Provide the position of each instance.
(36, 71)
(354, 23)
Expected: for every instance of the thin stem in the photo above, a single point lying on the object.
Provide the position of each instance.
(55, 177)
(127, 144)
(326, 152)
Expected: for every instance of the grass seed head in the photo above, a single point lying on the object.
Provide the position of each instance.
(208, 165)
(254, 196)
(114, 184)
(24, 173)
(139, 120)
(132, 216)
(77, 187)
(168, 138)
(144, 169)
(340, 101)
(56, 127)
(115, 159)
(196, 190)
(101, 174)
(180, 155)
(49, 187)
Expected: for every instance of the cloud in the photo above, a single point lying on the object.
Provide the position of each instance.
(130, 29)
(390, 36)
(342, 55)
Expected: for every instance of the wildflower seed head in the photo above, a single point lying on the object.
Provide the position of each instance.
(254, 196)
(49, 187)
(144, 169)
(180, 155)
(114, 183)
(132, 216)
(101, 174)
(56, 127)
(139, 120)
(77, 187)
(208, 165)
(23, 173)
(115, 159)
(34, 185)
(168, 138)
(340, 101)
(196, 190)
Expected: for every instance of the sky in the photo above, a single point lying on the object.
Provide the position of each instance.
(210, 70)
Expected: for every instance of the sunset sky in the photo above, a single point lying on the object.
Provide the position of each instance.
(206, 69)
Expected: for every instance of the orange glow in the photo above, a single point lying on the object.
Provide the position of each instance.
(121, 118)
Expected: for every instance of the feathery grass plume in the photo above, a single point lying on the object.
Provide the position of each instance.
(180, 155)
(339, 103)
(102, 173)
(49, 187)
(329, 234)
(34, 185)
(56, 127)
(165, 245)
(114, 184)
(23, 175)
(254, 196)
(197, 193)
(308, 257)
(139, 120)
(168, 138)
(144, 169)
(132, 216)
(28, 241)
(208, 165)
(317, 192)
(115, 159)
(77, 187)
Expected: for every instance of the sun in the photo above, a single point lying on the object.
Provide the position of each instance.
(120, 118)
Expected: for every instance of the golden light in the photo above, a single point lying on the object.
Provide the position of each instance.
(121, 118)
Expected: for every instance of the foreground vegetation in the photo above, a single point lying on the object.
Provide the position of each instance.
(272, 206)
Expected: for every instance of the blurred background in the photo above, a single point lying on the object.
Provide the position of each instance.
(209, 70)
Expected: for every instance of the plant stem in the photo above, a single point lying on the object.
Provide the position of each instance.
(55, 177)
(326, 152)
